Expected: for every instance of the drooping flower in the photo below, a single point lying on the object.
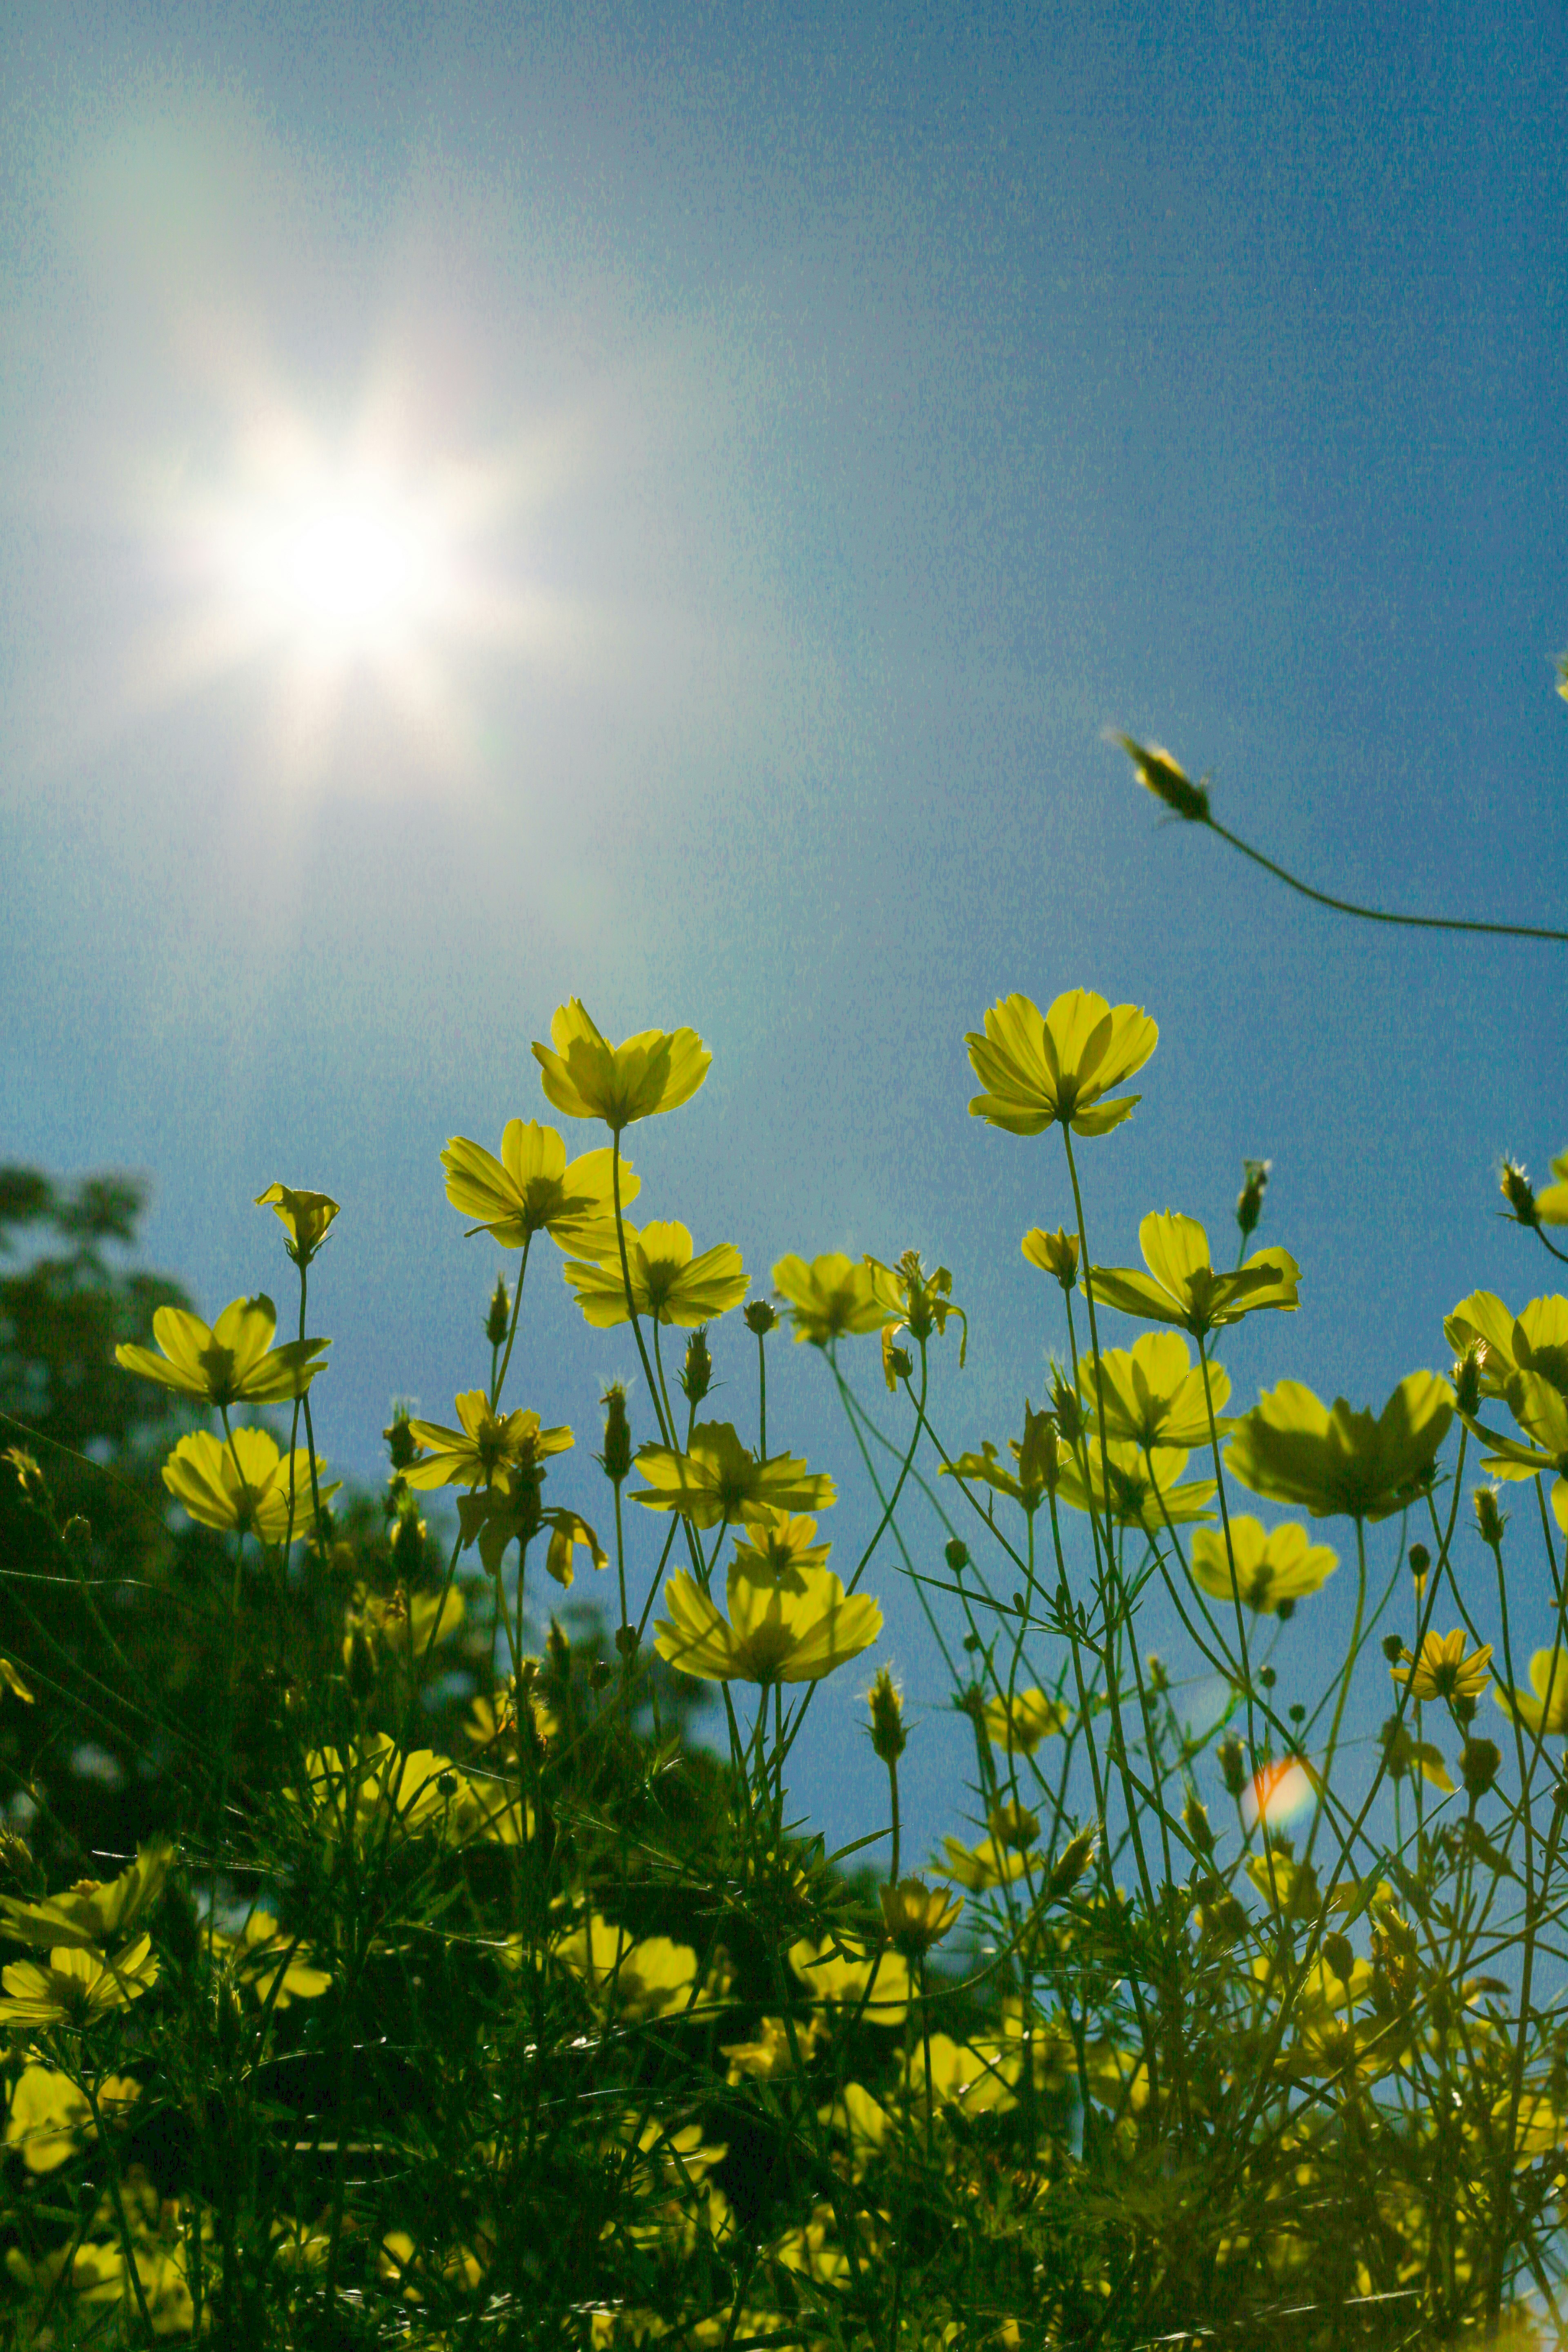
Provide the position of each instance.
(1153, 1391)
(1018, 1723)
(1055, 1253)
(775, 1633)
(76, 1986)
(832, 1298)
(716, 1480)
(231, 1362)
(1292, 1448)
(668, 1283)
(1182, 1287)
(240, 1483)
(1443, 1670)
(530, 1189)
(1145, 1488)
(1160, 774)
(305, 1217)
(920, 1303)
(488, 1446)
(587, 1078)
(1540, 1408)
(1038, 1458)
(510, 1512)
(1272, 1568)
(780, 1548)
(1039, 1069)
(1543, 1708)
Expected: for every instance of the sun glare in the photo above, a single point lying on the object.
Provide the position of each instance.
(347, 569)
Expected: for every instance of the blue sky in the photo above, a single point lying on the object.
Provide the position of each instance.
(849, 416)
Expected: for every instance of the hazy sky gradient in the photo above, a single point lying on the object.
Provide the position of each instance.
(853, 416)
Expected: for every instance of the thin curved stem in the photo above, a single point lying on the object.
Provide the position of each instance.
(1380, 914)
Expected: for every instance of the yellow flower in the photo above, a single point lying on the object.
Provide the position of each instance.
(1540, 1408)
(1161, 774)
(1182, 1287)
(775, 1633)
(778, 1549)
(1019, 1723)
(1552, 1203)
(532, 1189)
(876, 1985)
(1144, 1492)
(716, 1480)
(919, 1303)
(76, 1986)
(231, 1363)
(50, 2118)
(668, 1283)
(587, 1078)
(637, 1979)
(1153, 1393)
(92, 1910)
(1442, 1670)
(1293, 1449)
(1278, 1566)
(242, 1486)
(1534, 1341)
(833, 1297)
(488, 1446)
(917, 1915)
(1039, 1459)
(979, 1867)
(1546, 1712)
(510, 1512)
(1055, 1253)
(305, 1217)
(262, 1956)
(14, 1683)
(1041, 1068)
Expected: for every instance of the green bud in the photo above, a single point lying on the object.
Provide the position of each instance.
(1232, 1761)
(888, 1737)
(1393, 1648)
(400, 1444)
(957, 1554)
(499, 1315)
(1520, 1193)
(1479, 1765)
(1340, 1954)
(696, 1372)
(1249, 1200)
(1467, 1380)
(1420, 1560)
(615, 1461)
(1488, 1518)
(361, 1666)
(761, 1318)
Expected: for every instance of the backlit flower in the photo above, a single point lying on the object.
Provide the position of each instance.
(1182, 1287)
(1281, 1565)
(1551, 1201)
(780, 1548)
(1536, 1341)
(530, 1189)
(233, 1362)
(775, 1633)
(587, 1078)
(1153, 1391)
(980, 1867)
(1543, 1708)
(240, 1483)
(1294, 1449)
(1161, 774)
(1041, 1068)
(875, 1985)
(1020, 1721)
(917, 1915)
(718, 1481)
(920, 1303)
(305, 1217)
(1055, 1253)
(667, 1282)
(1443, 1671)
(1144, 1485)
(1039, 1459)
(94, 1911)
(488, 1446)
(650, 1977)
(1540, 1408)
(833, 1297)
(76, 1986)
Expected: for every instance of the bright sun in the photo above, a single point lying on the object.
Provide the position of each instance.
(350, 570)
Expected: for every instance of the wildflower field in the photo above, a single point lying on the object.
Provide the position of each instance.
(452, 1992)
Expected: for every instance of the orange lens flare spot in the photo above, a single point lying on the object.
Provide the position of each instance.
(1278, 1792)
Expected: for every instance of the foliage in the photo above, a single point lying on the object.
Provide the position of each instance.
(449, 1992)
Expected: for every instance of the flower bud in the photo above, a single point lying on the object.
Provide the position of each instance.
(897, 1362)
(400, 1444)
(1393, 1648)
(888, 1737)
(30, 1478)
(1520, 1193)
(1340, 1954)
(615, 1461)
(1054, 1253)
(1488, 1518)
(1285, 1610)
(1479, 1765)
(696, 1372)
(359, 1659)
(1249, 1200)
(1194, 1817)
(626, 1640)
(1012, 1825)
(1467, 1380)
(761, 1318)
(1158, 773)
(1398, 1748)
(499, 1315)
(1267, 1676)
(1420, 1558)
(1071, 1863)
(1068, 1408)
(76, 1535)
(1232, 1762)
(1463, 1709)
(1159, 1675)
(558, 1643)
(957, 1554)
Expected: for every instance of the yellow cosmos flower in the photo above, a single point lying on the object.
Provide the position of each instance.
(1144, 1486)
(1536, 1341)
(668, 1283)
(1551, 1201)
(532, 1189)
(980, 1867)
(1153, 1393)
(1543, 1708)
(587, 1078)
(1182, 1287)
(242, 1487)
(1055, 1253)
(270, 1964)
(488, 1446)
(233, 1362)
(779, 1550)
(919, 1302)
(717, 1480)
(1443, 1671)
(637, 1979)
(917, 1915)
(1540, 1408)
(1039, 1459)
(305, 1217)
(1294, 1449)
(1273, 1569)
(846, 1976)
(776, 1634)
(92, 1911)
(1019, 1723)
(76, 1986)
(833, 1297)
(510, 1512)
(1041, 1068)
(49, 2117)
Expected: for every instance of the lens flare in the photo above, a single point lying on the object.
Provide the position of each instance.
(1279, 1792)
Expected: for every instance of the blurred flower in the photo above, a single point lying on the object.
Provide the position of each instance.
(270, 1964)
(832, 1298)
(1551, 1202)
(1153, 1393)
(637, 1979)
(488, 1446)
(240, 1483)
(885, 1703)
(76, 1986)
(1182, 1287)
(875, 1984)
(775, 1633)
(1019, 1722)
(1038, 1069)
(1144, 1488)
(14, 1683)
(779, 1548)
(1443, 1671)
(305, 1217)
(231, 1363)
(980, 1867)
(1158, 773)
(1543, 1708)
(587, 1078)
(667, 1282)
(50, 2118)
(1278, 1566)
(532, 1189)
(717, 1480)
(1294, 1449)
